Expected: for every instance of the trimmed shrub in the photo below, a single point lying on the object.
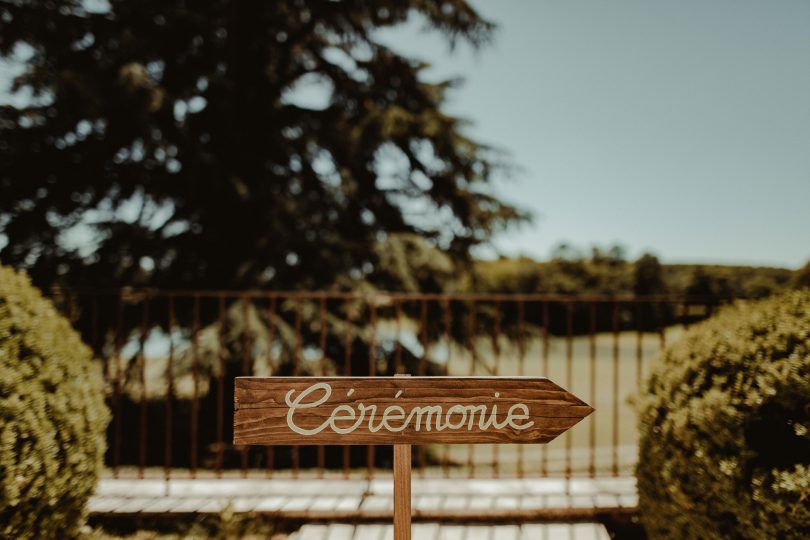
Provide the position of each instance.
(725, 427)
(52, 416)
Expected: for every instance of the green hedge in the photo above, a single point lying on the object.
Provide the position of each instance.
(52, 416)
(725, 427)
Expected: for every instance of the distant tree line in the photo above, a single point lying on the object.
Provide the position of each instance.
(695, 290)
(610, 272)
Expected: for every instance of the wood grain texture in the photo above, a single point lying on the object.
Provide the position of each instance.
(402, 492)
(402, 410)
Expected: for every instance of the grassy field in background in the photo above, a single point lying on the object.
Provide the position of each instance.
(591, 442)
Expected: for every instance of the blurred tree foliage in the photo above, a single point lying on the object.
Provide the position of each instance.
(235, 144)
(608, 272)
(801, 278)
(648, 276)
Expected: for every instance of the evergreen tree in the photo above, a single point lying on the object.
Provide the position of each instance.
(168, 144)
(233, 144)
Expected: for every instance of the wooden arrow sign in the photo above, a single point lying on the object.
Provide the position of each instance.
(402, 410)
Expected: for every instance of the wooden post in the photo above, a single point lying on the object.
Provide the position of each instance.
(402, 492)
(402, 487)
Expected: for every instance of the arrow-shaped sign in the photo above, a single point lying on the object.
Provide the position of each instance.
(402, 410)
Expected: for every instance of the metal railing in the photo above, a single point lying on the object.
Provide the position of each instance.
(169, 358)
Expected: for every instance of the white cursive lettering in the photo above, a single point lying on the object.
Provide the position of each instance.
(345, 419)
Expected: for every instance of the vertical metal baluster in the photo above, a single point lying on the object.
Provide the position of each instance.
(322, 371)
(592, 394)
(167, 456)
(639, 341)
(322, 327)
(372, 371)
(471, 344)
(398, 368)
(98, 348)
(117, 416)
(244, 370)
(615, 388)
(347, 371)
(423, 336)
(144, 419)
(271, 338)
(296, 368)
(447, 339)
(543, 447)
(569, 378)
(195, 376)
(296, 371)
(521, 367)
(497, 369)
(421, 457)
(220, 385)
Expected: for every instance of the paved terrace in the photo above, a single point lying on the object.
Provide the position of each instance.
(331, 500)
(435, 531)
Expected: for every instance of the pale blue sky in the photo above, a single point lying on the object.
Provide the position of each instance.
(680, 127)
